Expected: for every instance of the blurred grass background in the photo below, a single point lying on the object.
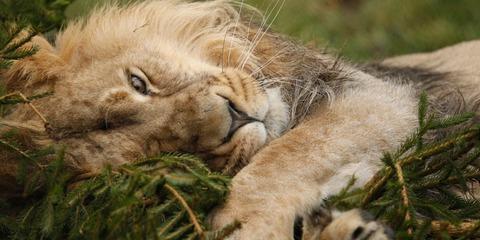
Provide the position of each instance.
(366, 29)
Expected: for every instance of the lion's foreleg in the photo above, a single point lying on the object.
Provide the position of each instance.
(293, 174)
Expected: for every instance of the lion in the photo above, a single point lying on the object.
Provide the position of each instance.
(291, 123)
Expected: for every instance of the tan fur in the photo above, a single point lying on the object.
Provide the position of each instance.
(462, 60)
(319, 120)
(176, 45)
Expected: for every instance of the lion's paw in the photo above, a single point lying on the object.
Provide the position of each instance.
(351, 225)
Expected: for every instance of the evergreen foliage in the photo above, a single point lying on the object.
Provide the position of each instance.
(21, 20)
(12, 38)
(43, 15)
(424, 190)
(167, 197)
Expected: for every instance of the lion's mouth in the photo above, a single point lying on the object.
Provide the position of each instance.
(239, 119)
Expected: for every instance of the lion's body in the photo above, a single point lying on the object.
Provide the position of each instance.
(308, 121)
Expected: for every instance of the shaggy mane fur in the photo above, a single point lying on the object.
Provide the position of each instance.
(236, 31)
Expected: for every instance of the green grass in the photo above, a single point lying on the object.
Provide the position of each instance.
(369, 29)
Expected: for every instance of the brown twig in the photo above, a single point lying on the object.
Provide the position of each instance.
(27, 101)
(79, 179)
(378, 181)
(191, 214)
(21, 125)
(467, 227)
(44, 120)
(8, 95)
(85, 176)
(405, 199)
(22, 153)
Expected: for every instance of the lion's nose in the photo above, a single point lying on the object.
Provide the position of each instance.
(239, 119)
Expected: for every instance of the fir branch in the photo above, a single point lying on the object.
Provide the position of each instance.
(14, 48)
(17, 41)
(436, 166)
(422, 109)
(378, 181)
(182, 201)
(134, 196)
(416, 192)
(450, 180)
(21, 53)
(450, 121)
(13, 31)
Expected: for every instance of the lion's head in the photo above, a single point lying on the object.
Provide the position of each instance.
(158, 76)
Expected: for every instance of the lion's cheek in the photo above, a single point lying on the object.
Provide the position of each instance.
(96, 150)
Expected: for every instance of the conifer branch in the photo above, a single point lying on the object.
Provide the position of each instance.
(14, 45)
(378, 180)
(137, 201)
(449, 180)
(440, 164)
(424, 176)
(191, 214)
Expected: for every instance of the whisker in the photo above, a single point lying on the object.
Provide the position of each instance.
(284, 80)
(223, 49)
(259, 31)
(255, 44)
(296, 85)
(106, 117)
(247, 40)
(274, 57)
(234, 32)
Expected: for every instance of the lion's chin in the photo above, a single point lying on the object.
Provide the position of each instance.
(232, 156)
(277, 119)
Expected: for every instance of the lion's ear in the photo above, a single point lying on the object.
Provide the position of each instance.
(41, 69)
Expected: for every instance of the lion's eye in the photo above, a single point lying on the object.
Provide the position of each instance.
(138, 84)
